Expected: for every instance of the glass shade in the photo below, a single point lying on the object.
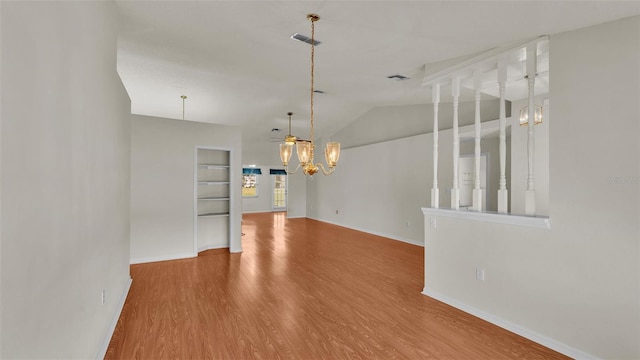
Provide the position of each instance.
(304, 151)
(332, 153)
(285, 153)
(524, 115)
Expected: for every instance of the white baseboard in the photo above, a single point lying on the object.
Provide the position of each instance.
(114, 321)
(162, 258)
(212, 247)
(514, 328)
(404, 240)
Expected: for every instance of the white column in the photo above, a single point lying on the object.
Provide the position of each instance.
(503, 193)
(435, 193)
(530, 195)
(455, 190)
(477, 191)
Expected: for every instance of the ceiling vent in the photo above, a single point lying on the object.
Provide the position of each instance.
(397, 77)
(304, 39)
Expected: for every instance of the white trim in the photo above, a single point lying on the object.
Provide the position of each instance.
(195, 200)
(514, 328)
(232, 186)
(256, 211)
(235, 197)
(163, 258)
(487, 59)
(541, 222)
(401, 239)
(114, 321)
(212, 247)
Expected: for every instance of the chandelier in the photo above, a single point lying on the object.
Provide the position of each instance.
(305, 148)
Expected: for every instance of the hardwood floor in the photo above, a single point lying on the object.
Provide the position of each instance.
(302, 289)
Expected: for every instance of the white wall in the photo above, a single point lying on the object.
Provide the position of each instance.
(65, 179)
(296, 195)
(162, 184)
(379, 188)
(576, 285)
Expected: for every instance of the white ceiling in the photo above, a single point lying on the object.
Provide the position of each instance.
(237, 65)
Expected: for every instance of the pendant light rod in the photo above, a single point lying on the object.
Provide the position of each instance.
(183, 97)
(313, 18)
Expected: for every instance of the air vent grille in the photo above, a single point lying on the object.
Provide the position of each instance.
(304, 39)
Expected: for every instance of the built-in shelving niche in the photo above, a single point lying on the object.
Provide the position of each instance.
(212, 199)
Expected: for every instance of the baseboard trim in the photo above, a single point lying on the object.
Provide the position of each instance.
(213, 247)
(162, 258)
(514, 328)
(404, 240)
(114, 321)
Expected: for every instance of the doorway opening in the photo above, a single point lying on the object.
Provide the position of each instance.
(279, 193)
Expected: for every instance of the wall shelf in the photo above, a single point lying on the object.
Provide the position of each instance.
(212, 198)
(213, 214)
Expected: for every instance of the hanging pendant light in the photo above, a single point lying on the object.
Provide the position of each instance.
(287, 148)
(537, 115)
(305, 148)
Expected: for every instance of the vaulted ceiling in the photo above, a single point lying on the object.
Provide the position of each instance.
(237, 65)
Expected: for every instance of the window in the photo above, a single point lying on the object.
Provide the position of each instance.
(250, 182)
(249, 185)
(279, 178)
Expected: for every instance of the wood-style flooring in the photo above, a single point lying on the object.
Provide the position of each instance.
(302, 289)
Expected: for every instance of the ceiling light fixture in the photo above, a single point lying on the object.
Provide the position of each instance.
(304, 148)
(524, 115)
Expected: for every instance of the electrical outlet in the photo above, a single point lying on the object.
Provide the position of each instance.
(337, 212)
(408, 224)
(479, 274)
(103, 297)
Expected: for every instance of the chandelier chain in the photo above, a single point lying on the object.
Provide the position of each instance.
(313, 33)
(305, 148)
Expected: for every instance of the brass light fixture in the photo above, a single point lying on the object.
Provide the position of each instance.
(537, 115)
(304, 148)
(290, 139)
